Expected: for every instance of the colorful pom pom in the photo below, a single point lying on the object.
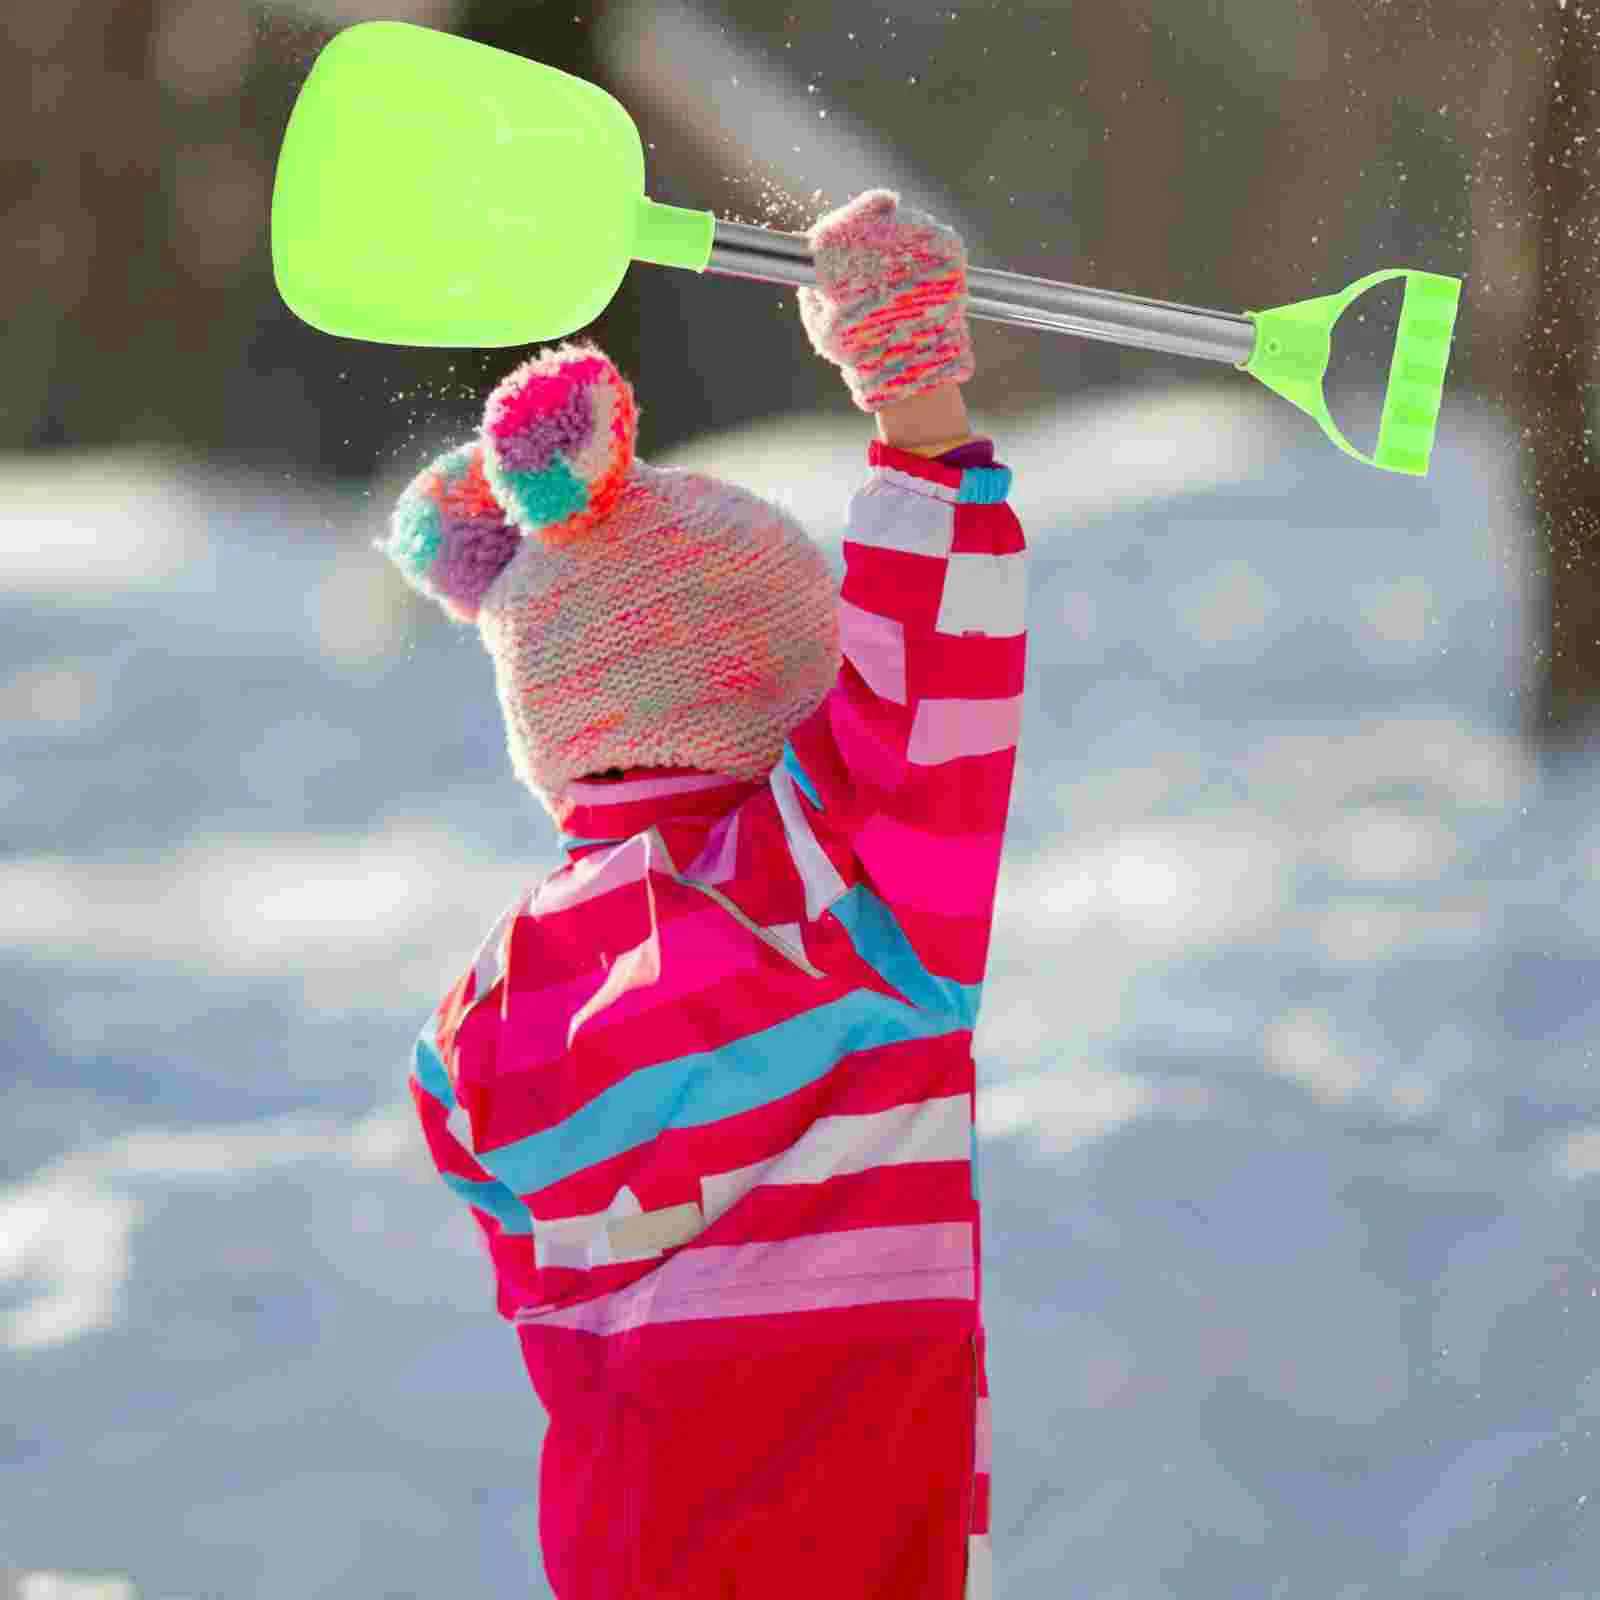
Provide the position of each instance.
(558, 438)
(448, 535)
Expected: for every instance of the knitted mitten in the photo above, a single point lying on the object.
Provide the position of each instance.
(890, 305)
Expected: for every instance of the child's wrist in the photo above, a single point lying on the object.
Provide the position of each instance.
(938, 448)
(931, 417)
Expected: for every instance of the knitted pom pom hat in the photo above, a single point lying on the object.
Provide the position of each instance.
(636, 615)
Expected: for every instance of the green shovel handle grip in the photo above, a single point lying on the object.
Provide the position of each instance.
(1294, 343)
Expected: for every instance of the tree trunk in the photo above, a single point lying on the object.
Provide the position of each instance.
(1557, 415)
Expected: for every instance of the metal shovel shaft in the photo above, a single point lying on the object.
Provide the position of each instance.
(742, 250)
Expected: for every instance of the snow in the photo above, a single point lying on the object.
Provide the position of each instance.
(1287, 1115)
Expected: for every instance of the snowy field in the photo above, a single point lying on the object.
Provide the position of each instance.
(1288, 1116)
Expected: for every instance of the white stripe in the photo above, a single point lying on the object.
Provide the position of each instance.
(985, 594)
(595, 874)
(624, 1231)
(984, 1444)
(459, 1125)
(821, 878)
(489, 963)
(932, 1130)
(582, 1241)
(486, 964)
(565, 1243)
(876, 647)
(980, 1568)
(923, 486)
(882, 515)
(637, 968)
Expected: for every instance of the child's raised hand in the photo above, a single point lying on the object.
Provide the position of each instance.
(890, 305)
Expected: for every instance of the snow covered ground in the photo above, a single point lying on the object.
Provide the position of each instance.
(1288, 1119)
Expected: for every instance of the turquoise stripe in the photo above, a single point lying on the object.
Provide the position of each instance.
(570, 841)
(708, 1086)
(984, 486)
(430, 1070)
(483, 1194)
(792, 763)
(880, 943)
(494, 1200)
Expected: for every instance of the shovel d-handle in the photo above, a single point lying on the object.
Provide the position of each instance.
(1294, 343)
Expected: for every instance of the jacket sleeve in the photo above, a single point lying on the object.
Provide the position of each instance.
(896, 790)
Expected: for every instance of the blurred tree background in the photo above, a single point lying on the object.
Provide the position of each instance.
(1242, 154)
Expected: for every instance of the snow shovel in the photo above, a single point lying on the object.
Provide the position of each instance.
(435, 191)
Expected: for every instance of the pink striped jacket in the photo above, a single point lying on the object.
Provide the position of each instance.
(709, 1092)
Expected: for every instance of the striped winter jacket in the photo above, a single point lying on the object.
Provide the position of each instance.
(709, 1092)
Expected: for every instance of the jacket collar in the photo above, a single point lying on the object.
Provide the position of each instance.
(604, 814)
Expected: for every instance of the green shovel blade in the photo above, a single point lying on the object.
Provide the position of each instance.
(1294, 343)
(435, 191)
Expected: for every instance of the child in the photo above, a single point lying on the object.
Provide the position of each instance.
(708, 1088)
